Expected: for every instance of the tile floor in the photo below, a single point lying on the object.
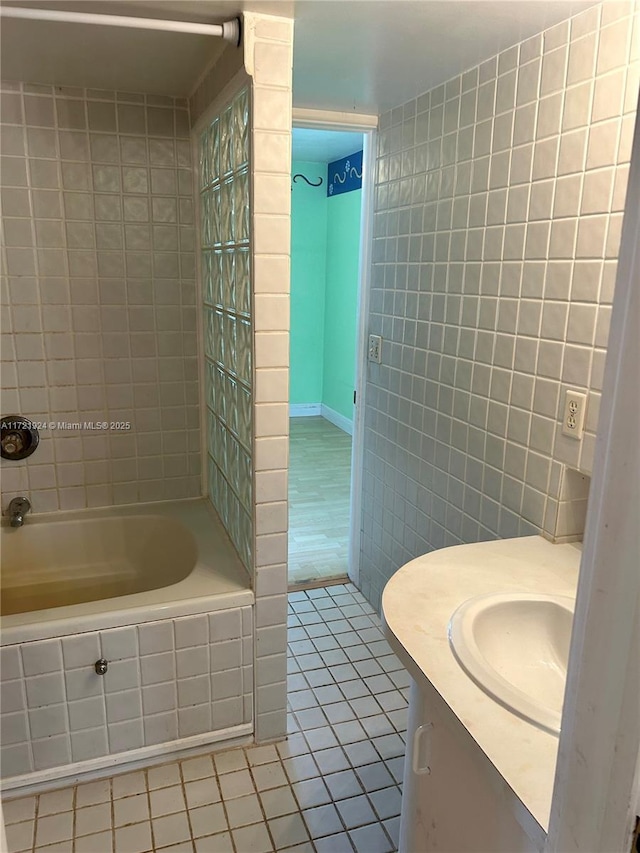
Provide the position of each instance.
(319, 487)
(334, 786)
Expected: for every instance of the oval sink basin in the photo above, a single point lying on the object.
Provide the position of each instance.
(515, 646)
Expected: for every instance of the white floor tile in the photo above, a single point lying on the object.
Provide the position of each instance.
(373, 777)
(93, 793)
(339, 712)
(101, 841)
(338, 843)
(279, 801)
(371, 839)
(321, 738)
(220, 843)
(331, 760)
(20, 836)
(258, 755)
(55, 802)
(393, 829)
(300, 767)
(197, 768)
(323, 820)
(386, 802)
(15, 811)
(244, 810)
(268, 776)
(208, 820)
(343, 784)
(170, 829)
(238, 783)
(253, 839)
(166, 801)
(311, 792)
(202, 792)
(134, 809)
(133, 839)
(164, 776)
(292, 746)
(60, 847)
(287, 831)
(93, 819)
(54, 828)
(355, 812)
(128, 785)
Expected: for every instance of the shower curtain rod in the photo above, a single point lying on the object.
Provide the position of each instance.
(229, 31)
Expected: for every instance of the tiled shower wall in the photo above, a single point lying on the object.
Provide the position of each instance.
(98, 290)
(498, 209)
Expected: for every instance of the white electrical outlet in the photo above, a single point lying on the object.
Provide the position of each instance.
(375, 349)
(575, 404)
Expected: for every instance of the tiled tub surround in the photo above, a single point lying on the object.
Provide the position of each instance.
(225, 263)
(498, 206)
(334, 786)
(180, 663)
(98, 291)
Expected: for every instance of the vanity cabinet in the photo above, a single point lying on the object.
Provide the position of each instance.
(478, 777)
(454, 800)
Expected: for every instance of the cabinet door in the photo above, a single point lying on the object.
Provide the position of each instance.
(453, 799)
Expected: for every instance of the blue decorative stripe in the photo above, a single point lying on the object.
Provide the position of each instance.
(345, 175)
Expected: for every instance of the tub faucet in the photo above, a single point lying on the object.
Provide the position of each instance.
(17, 510)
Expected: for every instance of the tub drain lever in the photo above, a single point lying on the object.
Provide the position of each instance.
(101, 666)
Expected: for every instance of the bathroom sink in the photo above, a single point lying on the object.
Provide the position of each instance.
(515, 646)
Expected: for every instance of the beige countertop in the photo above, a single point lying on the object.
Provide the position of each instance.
(417, 604)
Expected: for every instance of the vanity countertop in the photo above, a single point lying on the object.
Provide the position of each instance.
(417, 604)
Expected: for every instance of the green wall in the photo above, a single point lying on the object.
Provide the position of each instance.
(341, 301)
(325, 250)
(308, 277)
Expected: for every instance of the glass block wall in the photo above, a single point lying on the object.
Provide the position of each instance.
(224, 222)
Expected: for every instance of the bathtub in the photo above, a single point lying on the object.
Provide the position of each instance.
(158, 592)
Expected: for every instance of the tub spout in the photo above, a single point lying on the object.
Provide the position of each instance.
(17, 510)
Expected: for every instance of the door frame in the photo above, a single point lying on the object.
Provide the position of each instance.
(597, 784)
(367, 125)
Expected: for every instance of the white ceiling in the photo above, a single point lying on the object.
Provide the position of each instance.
(323, 146)
(360, 55)
(103, 57)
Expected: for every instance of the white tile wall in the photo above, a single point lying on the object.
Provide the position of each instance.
(98, 294)
(268, 59)
(499, 199)
(166, 681)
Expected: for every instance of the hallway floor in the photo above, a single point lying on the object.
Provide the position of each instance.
(319, 486)
(334, 786)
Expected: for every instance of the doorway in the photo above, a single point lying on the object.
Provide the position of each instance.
(327, 215)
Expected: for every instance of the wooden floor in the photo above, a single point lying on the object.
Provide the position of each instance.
(319, 483)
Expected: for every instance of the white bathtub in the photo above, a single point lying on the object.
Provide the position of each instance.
(158, 591)
(103, 568)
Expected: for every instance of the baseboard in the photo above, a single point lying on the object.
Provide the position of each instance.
(124, 762)
(337, 419)
(305, 410)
